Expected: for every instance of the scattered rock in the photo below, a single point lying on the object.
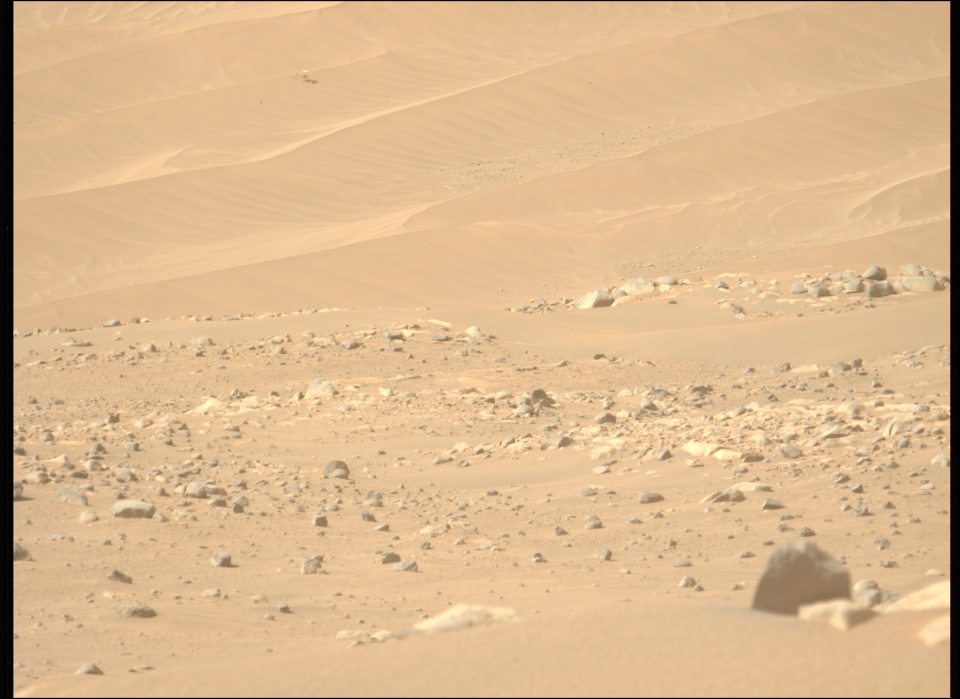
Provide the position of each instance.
(406, 567)
(117, 576)
(221, 560)
(71, 496)
(141, 611)
(132, 509)
(647, 497)
(337, 469)
(311, 565)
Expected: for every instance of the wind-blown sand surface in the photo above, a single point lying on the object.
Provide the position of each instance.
(388, 222)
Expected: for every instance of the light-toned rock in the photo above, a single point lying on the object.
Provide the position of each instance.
(936, 596)
(320, 389)
(842, 614)
(595, 299)
(606, 451)
(700, 448)
(726, 454)
(463, 616)
(751, 487)
(638, 285)
(132, 509)
(87, 517)
(936, 632)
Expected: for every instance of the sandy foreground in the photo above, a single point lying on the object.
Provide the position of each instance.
(254, 240)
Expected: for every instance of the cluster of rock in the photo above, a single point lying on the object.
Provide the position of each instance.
(875, 282)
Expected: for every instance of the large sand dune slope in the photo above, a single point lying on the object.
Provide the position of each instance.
(159, 144)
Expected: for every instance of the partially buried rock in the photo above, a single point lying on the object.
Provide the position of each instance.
(20, 553)
(559, 531)
(132, 509)
(311, 565)
(71, 496)
(771, 504)
(648, 497)
(936, 632)
(462, 616)
(595, 299)
(221, 560)
(337, 469)
(587, 491)
(89, 669)
(790, 451)
(141, 611)
(799, 573)
(406, 567)
(390, 557)
(604, 554)
(117, 576)
(841, 614)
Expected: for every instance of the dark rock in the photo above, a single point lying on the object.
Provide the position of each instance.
(800, 573)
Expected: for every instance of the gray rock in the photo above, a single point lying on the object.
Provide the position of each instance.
(87, 517)
(71, 496)
(682, 563)
(818, 291)
(875, 273)
(195, 490)
(911, 270)
(669, 281)
(132, 509)
(721, 285)
(800, 573)
(771, 504)
(89, 669)
(117, 576)
(319, 520)
(854, 286)
(17, 490)
(559, 531)
(111, 323)
(661, 454)
(390, 557)
(798, 288)
(781, 368)
(806, 531)
(604, 418)
(221, 560)
(595, 524)
(320, 389)
(20, 553)
(604, 554)
(752, 457)
(791, 451)
(880, 289)
(921, 284)
(587, 492)
(202, 342)
(140, 611)
(391, 334)
(646, 497)
(687, 581)
(337, 469)
(558, 442)
(406, 567)
(311, 565)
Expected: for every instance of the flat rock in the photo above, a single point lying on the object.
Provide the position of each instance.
(463, 616)
(647, 497)
(71, 496)
(936, 596)
(132, 509)
(800, 573)
(140, 611)
(595, 299)
(841, 614)
(638, 285)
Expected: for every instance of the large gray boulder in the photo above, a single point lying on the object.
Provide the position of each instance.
(799, 573)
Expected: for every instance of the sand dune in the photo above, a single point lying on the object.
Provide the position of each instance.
(410, 201)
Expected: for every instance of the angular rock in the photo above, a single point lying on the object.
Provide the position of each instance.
(71, 496)
(842, 614)
(141, 611)
(406, 567)
(645, 497)
(595, 299)
(20, 553)
(799, 573)
(875, 273)
(221, 560)
(89, 669)
(132, 509)
(117, 576)
(337, 469)
(311, 565)
(320, 389)
(790, 451)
